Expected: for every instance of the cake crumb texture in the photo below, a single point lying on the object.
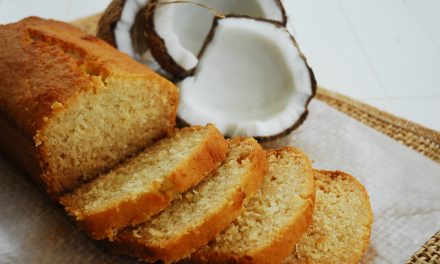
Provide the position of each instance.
(274, 219)
(145, 184)
(201, 212)
(342, 220)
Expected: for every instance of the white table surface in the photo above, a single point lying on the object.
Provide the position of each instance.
(383, 52)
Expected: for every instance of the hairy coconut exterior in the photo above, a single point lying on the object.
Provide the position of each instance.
(108, 21)
(137, 32)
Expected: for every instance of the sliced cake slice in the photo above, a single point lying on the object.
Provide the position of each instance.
(342, 220)
(274, 219)
(146, 184)
(202, 212)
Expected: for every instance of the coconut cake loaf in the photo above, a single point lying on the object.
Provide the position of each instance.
(341, 226)
(72, 106)
(146, 184)
(273, 220)
(201, 212)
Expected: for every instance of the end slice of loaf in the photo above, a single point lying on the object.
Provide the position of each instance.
(274, 219)
(341, 225)
(146, 184)
(72, 106)
(202, 212)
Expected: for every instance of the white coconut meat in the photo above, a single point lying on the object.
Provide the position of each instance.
(122, 33)
(123, 37)
(183, 27)
(251, 80)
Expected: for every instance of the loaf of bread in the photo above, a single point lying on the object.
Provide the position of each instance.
(144, 185)
(273, 220)
(72, 106)
(341, 226)
(200, 213)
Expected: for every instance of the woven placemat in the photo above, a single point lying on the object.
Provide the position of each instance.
(429, 253)
(422, 139)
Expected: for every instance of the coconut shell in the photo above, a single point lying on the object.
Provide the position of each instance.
(181, 122)
(108, 21)
(158, 48)
(137, 32)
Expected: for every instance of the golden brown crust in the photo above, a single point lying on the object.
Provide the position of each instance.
(56, 76)
(207, 157)
(44, 66)
(180, 247)
(105, 223)
(20, 149)
(365, 197)
(259, 166)
(333, 254)
(287, 237)
(273, 253)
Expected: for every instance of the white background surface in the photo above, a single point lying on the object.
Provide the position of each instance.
(382, 52)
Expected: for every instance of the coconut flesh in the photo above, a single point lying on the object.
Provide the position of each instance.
(183, 27)
(251, 80)
(124, 32)
(123, 27)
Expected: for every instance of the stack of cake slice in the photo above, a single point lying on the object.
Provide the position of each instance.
(196, 197)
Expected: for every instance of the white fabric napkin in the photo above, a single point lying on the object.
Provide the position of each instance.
(404, 186)
(404, 189)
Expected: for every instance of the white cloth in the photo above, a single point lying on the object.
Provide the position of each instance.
(403, 185)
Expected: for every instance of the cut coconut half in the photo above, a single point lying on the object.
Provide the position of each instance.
(251, 80)
(176, 31)
(108, 21)
(122, 25)
(125, 29)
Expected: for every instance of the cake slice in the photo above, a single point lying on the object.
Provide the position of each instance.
(342, 220)
(72, 106)
(202, 212)
(274, 219)
(146, 184)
